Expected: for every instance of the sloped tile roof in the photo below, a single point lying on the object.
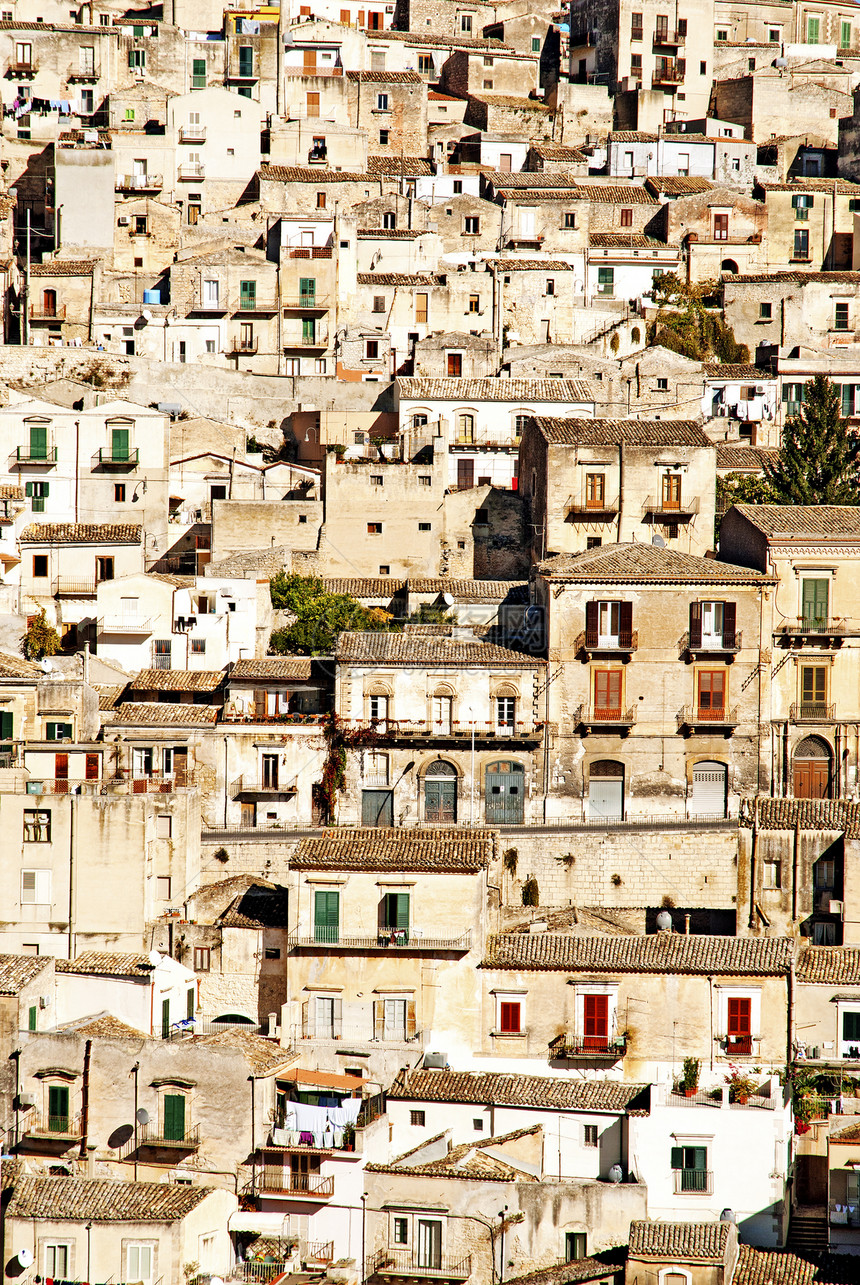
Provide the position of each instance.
(386, 77)
(17, 667)
(511, 100)
(617, 193)
(398, 165)
(106, 963)
(698, 1242)
(552, 152)
(745, 457)
(678, 185)
(793, 520)
(283, 667)
(612, 432)
(504, 179)
(108, 696)
(468, 1160)
(103, 1200)
(434, 851)
(177, 680)
(530, 265)
(646, 564)
(399, 279)
(843, 186)
(850, 1133)
(406, 649)
(469, 590)
(256, 907)
(263, 1055)
(655, 953)
(497, 390)
(499, 1089)
(829, 965)
(781, 1267)
(17, 970)
(735, 370)
(390, 234)
(363, 586)
(582, 1269)
(103, 1026)
(628, 240)
(153, 713)
(455, 42)
(306, 174)
(81, 533)
(64, 268)
(794, 278)
(835, 815)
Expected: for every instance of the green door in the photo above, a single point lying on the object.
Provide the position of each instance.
(307, 291)
(119, 444)
(247, 295)
(38, 442)
(326, 916)
(815, 603)
(309, 330)
(505, 794)
(396, 910)
(174, 1117)
(58, 1108)
(198, 73)
(377, 807)
(165, 1018)
(691, 1163)
(189, 1009)
(440, 799)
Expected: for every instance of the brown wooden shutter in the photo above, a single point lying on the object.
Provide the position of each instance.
(591, 618)
(260, 702)
(92, 767)
(410, 1019)
(625, 624)
(695, 624)
(730, 616)
(180, 764)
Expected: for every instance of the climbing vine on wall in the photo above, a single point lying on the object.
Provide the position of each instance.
(339, 739)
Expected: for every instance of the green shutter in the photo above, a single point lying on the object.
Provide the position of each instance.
(247, 294)
(699, 1157)
(307, 289)
(309, 330)
(45, 490)
(815, 604)
(119, 444)
(198, 73)
(677, 1157)
(31, 1024)
(58, 1108)
(326, 916)
(397, 910)
(38, 442)
(165, 1018)
(6, 732)
(28, 489)
(847, 392)
(189, 1008)
(174, 1117)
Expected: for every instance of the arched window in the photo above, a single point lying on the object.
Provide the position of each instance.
(606, 789)
(813, 769)
(728, 265)
(466, 428)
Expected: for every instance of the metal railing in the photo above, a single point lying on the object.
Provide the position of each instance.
(155, 1136)
(83, 75)
(390, 939)
(26, 455)
(405, 1262)
(582, 1046)
(53, 1126)
(699, 1182)
(391, 728)
(812, 712)
(821, 625)
(261, 1272)
(668, 75)
(599, 716)
(669, 509)
(242, 347)
(107, 457)
(255, 303)
(585, 508)
(727, 641)
(624, 640)
(282, 1181)
(363, 1033)
(248, 784)
(318, 1251)
(139, 182)
(667, 36)
(65, 586)
(22, 68)
(57, 313)
(190, 170)
(123, 625)
(125, 780)
(310, 301)
(192, 133)
(696, 716)
(714, 1098)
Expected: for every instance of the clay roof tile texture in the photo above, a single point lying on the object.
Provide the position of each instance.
(794, 520)
(645, 564)
(496, 390)
(407, 649)
(17, 970)
(432, 851)
(612, 432)
(700, 1242)
(655, 953)
(103, 1200)
(81, 533)
(500, 1089)
(177, 680)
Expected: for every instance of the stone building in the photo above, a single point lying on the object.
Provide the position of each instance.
(63, 563)
(809, 309)
(810, 224)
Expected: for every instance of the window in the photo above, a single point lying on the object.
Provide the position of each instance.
(722, 35)
(589, 1131)
(395, 910)
(569, 220)
(813, 691)
(139, 1257)
(198, 646)
(845, 35)
(104, 569)
(454, 362)
(58, 731)
(379, 303)
(421, 309)
(425, 64)
(535, 44)
(605, 280)
(840, 316)
(326, 916)
(474, 303)
(466, 24)
(382, 102)
(662, 385)
(458, 186)
(690, 1165)
(376, 479)
(198, 73)
(510, 1017)
(35, 887)
(119, 492)
(313, 104)
(389, 220)
(58, 1257)
(636, 26)
(442, 711)
(424, 526)
(772, 874)
(248, 294)
(488, 84)
(37, 825)
(549, 288)
(371, 349)
(374, 528)
(202, 959)
(670, 492)
(466, 428)
(377, 708)
(802, 203)
(401, 1225)
(721, 227)
(593, 542)
(137, 59)
(711, 694)
(425, 479)
(472, 225)
(162, 887)
(417, 1117)
(636, 71)
(575, 1241)
(739, 1028)
(813, 28)
(627, 218)
(38, 492)
(765, 311)
(40, 566)
(607, 703)
(815, 603)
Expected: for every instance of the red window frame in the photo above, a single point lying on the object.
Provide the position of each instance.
(510, 1017)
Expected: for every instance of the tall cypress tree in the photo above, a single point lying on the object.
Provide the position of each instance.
(819, 457)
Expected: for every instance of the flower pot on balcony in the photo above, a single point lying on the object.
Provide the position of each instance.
(690, 1092)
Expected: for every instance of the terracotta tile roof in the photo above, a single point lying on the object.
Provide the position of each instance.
(17, 667)
(64, 268)
(406, 649)
(256, 907)
(302, 174)
(530, 265)
(103, 1200)
(551, 152)
(511, 100)
(617, 193)
(678, 185)
(386, 77)
(497, 390)
(697, 1242)
(628, 240)
(397, 165)
(735, 370)
(399, 279)
(103, 1026)
(17, 970)
(503, 179)
(177, 680)
(560, 431)
(390, 234)
(154, 713)
(455, 42)
(499, 1089)
(655, 953)
(283, 667)
(835, 815)
(826, 185)
(582, 1269)
(793, 520)
(106, 963)
(263, 1055)
(745, 457)
(850, 1133)
(793, 278)
(9, 491)
(646, 564)
(364, 586)
(108, 696)
(829, 965)
(467, 1160)
(81, 533)
(434, 851)
(469, 590)
(781, 1267)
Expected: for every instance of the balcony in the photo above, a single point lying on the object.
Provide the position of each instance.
(260, 1272)
(57, 313)
(139, 183)
(822, 630)
(583, 38)
(593, 718)
(389, 1263)
(210, 306)
(66, 587)
(46, 457)
(307, 302)
(246, 73)
(123, 781)
(247, 785)
(390, 940)
(666, 36)
(282, 1182)
(726, 644)
(311, 252)
(671, 74)
(21, 70)
(671, 510)
(120, 461)
(812, 712)
(693, 1182)
(253, 303)
(189, 172)
(85, 76)
(576, 510)
(355, 1033)
(579, 1048)
(306, 341)
(241, 347)
(395, 731)
(695, 719)
(152, 1137)
(624, 643)
(192, 133)
(123, 625)
(60, 1128)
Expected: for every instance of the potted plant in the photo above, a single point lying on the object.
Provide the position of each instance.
(690, 1077)
(740, 1086)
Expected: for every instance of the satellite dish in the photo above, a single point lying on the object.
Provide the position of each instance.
(664, 922)
(728, 1216)
(658, 542)
(146, 314)
(25, 1257)
(120, 1136)
(46, 664)
(448, 599)
(616, 1173)
(142, 1116)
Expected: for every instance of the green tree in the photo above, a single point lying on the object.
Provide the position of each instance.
(41, 639)
(741, 488)
(689, 324)
(320, 616)
(818, 460)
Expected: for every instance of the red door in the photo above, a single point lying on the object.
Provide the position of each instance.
(596, 1021)
(740, 1027)
(93, 764)
(811, 779)
(61, 773)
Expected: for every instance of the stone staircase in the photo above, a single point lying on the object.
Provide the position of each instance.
(807, 1233)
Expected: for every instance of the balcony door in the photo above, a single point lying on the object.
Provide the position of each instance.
(595, 1021)
(430, 1243)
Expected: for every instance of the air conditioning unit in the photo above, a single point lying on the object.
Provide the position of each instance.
(26, 1101)
(759, 390)
(44, 1001)
(180, 622)
(836, 908)
(191, 621)
(123, 221)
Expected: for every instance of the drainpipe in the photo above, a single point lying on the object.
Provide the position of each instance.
(77, 462)
(790, 998)
(621, 472)
(753, 847)
(711, 1017)
(71, 933)
(794, 861)
(226, 746)
(85, 1100)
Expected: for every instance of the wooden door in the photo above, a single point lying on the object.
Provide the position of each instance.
(811, 779)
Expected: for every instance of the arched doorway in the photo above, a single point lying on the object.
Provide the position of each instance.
(440, 793)
(728, 265)
(709, 789)
(505, 793)
(606, 789)
(813, 769)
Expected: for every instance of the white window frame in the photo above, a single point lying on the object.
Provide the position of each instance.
(714, 612)
(51, 1246)
(138, 1246)
(505, 715)
(378, 706)
(610, 990)
(845, 1006)
(608, 623)
(442, 714)
(40, 893)
(510, 997)
(752, 993)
